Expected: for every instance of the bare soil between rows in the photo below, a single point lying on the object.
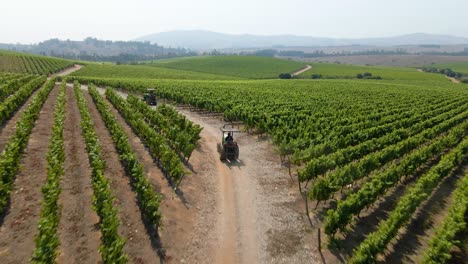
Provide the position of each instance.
(178, 211)
(10, 126)
(139, 245)
(79, 233)
(18, 227)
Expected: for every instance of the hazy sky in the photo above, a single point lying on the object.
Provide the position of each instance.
(36, 20)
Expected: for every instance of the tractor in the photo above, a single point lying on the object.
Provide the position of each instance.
(228, 148)
(150, 97)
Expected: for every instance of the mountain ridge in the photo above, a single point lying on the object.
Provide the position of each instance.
(208, 40)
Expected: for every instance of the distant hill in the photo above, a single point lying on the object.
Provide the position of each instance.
(239, 66)
(207, 40)
(92, 49)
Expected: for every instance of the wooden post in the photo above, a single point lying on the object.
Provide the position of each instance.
(319, 241)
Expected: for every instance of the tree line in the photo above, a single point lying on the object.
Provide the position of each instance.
(92, 49)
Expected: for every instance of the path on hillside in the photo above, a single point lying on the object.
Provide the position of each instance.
(67, 71)
(452, 79)
(296, 73)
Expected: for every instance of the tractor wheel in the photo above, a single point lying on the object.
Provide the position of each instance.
(222, 153)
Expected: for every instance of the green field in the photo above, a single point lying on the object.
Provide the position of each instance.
(240, 66)
(145, 72)
(17, 62)
(349, 71)
(248, 67)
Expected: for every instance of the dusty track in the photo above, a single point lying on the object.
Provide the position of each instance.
(260, 215)
(19, 224)
(308, 67)
(450, 78)
(453, 79)
(67, 71)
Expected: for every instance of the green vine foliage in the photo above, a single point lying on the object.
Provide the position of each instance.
(47, 240)
(103, 200)
(182, 134)
(11, 156)
(377, 241)
(149, 200)
(156, 143)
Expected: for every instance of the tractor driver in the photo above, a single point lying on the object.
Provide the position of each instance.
(229, 137)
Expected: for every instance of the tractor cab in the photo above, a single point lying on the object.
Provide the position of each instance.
(228, 148)
(150, 97)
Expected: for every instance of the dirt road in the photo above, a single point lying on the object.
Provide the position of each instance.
(260, 216)
(67, 71)
(308, 67)
(450, 78)
(453, 79)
